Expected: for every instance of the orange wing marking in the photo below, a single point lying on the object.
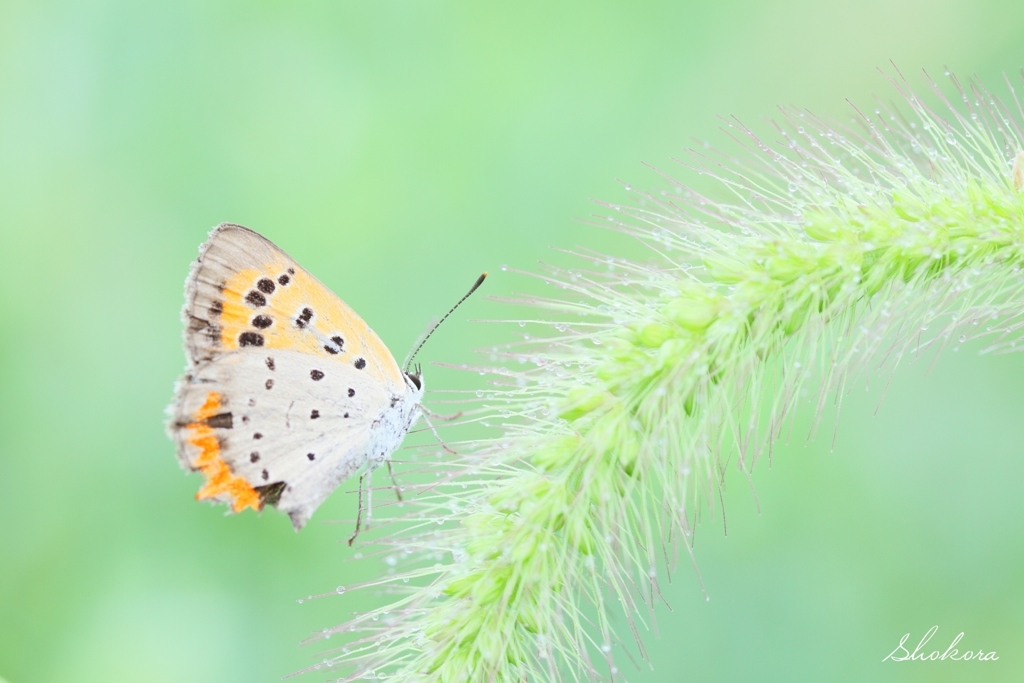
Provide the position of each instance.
(219, 477)
(331, 316)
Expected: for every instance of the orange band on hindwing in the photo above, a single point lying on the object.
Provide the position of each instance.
(219, 477)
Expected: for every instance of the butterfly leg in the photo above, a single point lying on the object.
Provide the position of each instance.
(434, 430)
(359, 514)
(438, 416)
(398, 492)
(369, 495)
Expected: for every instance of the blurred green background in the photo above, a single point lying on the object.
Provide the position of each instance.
(396, 149)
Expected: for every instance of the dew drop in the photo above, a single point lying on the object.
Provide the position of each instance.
(339, 590)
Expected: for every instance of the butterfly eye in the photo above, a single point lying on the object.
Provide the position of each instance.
(414, 377)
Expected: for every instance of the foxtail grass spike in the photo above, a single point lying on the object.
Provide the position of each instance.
(538, 554)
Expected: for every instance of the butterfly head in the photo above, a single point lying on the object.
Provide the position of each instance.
(414, 378)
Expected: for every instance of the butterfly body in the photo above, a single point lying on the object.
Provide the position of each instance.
(287, 391)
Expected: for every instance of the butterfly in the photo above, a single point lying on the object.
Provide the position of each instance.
(287, 391)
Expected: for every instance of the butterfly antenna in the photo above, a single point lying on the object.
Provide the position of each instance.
(412, 356)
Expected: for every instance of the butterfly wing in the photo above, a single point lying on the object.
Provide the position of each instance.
(279, 427)
(243, 291)
(288, 391)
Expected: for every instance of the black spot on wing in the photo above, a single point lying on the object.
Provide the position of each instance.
(266, 285)
(351, 392)
(314, 415)
(270, 493)
(336, 346)
(254, 456)
(316, 375)
(283, 280)
(250, 339)
(269, 384)
(311, 456)
(360, 363)
(262, 322)
(270, 363)
(265, 475)
(216, 308)
(221, 421)
(257, 436)
(304, 317)
(255, 299)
